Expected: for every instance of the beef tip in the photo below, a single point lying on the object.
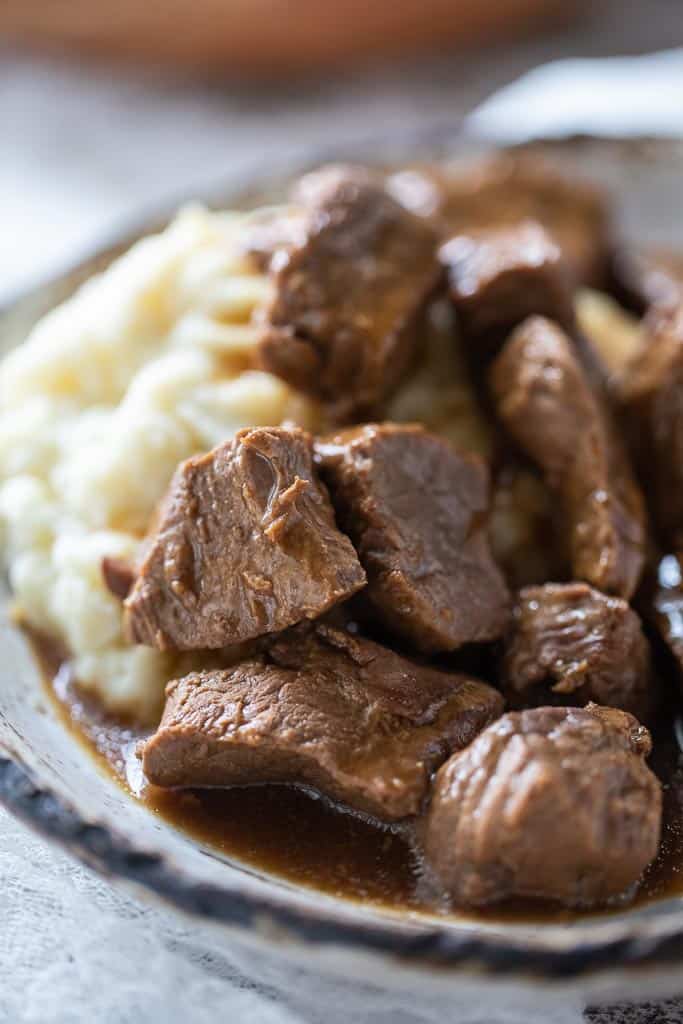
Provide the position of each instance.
(648, 278)
(570, 644)
(652, 397)
(508, 188)
(542, 395)
(324, 709)
(246, 544)
(416, 510)
(343, 322)
(118, 575)
(499, 277)
(553, 803)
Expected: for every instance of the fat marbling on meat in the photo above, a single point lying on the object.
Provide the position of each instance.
(343, 322)
(543, 396)
(570, 644)
(552, 803)
(499, 276)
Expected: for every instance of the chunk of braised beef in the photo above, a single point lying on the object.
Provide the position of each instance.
(507, 188)
(652, 400)
(552, 804)
(323, 709)
(543, 395)
(343, 324)
(571, 644)
(500, 276)
(246, 544)
(417, 512)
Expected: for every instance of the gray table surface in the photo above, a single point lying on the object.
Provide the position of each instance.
(82, 148)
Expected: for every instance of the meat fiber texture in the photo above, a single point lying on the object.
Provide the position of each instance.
(146, 365)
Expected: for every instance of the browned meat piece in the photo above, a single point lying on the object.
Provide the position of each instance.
(570, 644)
(553, 803)
(652, 397)
(416, 510)
(343, 321)
(543, 397)
(118, 576)
(246, 544)
(499, 277)
(648, 277)
(508, 188)
(324, 709)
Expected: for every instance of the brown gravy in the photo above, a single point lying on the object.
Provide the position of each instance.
(303, 838)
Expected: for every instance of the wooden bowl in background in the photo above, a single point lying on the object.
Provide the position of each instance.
(261, 38)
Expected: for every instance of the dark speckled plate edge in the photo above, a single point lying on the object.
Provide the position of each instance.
(105, 851)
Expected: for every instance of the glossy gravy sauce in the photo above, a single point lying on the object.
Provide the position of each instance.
(305, 839)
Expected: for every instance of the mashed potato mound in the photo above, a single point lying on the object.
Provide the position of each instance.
(145, 365)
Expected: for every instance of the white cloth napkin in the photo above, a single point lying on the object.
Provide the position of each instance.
(613, 96)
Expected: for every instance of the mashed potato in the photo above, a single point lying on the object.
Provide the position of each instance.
(616, 334)
(146, 365)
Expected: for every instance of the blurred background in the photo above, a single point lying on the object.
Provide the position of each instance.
(108, 109)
